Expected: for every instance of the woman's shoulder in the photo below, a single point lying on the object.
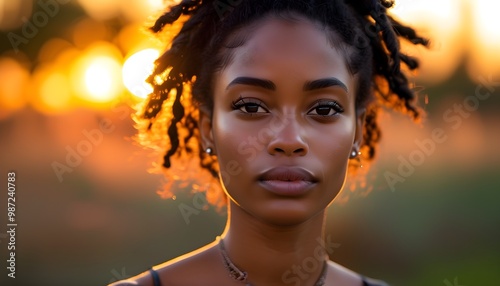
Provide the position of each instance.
(178, 271)
(142, 279)
(124, 283)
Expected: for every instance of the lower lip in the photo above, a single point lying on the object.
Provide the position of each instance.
(287, 188)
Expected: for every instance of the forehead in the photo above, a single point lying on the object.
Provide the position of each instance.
(293, 46)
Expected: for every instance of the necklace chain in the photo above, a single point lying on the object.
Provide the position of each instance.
(241, 276)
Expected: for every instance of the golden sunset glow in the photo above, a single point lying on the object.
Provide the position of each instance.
(485, 56)
(55, 91)
(14, 78)
(487, 21)
(96, 75)
(439, 21)
(105, 175)
(136, 69)
(101, 10)
(101, 79)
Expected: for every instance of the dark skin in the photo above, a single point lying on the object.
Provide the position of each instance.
(285, 102)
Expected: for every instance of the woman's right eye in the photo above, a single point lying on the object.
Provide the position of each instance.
(249, 106)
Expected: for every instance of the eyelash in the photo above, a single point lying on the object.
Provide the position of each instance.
(241, 103)
(329, 104)
(247, 102)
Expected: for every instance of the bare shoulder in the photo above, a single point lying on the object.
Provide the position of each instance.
(124, 283)
(142, 279)
(178, 271)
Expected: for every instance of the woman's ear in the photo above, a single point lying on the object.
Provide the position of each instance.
(358, 136)
(205, 125)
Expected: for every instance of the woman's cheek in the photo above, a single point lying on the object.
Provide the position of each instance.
(334, 152)
(229, 135)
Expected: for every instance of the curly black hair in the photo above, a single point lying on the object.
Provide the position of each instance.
(369, 38)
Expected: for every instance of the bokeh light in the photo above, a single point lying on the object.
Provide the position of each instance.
(439, 21)
(485, 47)
(55, 91)
(101, 78)
(14, 79)
(101, 10)
(96, 75)
(136, 69)
(51, 91)
(88, 31)
(487, 21)
(12, 13)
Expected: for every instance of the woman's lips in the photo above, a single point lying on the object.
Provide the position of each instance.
(287, 181)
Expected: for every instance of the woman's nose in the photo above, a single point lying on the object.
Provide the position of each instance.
(288, 140)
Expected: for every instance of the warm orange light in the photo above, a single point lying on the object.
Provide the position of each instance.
(101, 79)
(88, 31)
(14, 13)
(156, 4)
(487, 21)
(101, 10)
(141, 11)
(14, 78)
(441, 22)
(50, 89)
(136, 69)
(485, 47)
(96, 75)
(55, 92)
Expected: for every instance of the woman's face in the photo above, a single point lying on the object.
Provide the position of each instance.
(284, 122)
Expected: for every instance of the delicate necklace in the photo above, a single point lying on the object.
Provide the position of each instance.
(241, 276)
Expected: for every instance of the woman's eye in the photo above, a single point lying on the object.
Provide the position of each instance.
(248, 106)
(252, 108)
(330, 108)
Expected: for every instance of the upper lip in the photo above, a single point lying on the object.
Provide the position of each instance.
(289, 174)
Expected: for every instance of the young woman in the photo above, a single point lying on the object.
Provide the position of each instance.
(282, 102)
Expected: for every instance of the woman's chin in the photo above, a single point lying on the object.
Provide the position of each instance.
(287, 213)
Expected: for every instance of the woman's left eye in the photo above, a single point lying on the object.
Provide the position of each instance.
(329, 108)
(252, 108)
(249, 106)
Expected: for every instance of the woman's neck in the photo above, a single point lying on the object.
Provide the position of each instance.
(275, 254)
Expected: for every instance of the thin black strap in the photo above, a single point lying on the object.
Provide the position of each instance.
(372, 282)
(155, 276)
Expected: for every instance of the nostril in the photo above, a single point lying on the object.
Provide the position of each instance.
(287, 152)
(300, 150)
(279, 150)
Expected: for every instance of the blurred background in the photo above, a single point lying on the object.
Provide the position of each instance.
(87, 208)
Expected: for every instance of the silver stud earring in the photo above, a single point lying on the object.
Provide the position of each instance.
(354, 154)
(208, 151)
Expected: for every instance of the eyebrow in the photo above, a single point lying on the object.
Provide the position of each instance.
(324, 83)
(269, 85)
(263, 83)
